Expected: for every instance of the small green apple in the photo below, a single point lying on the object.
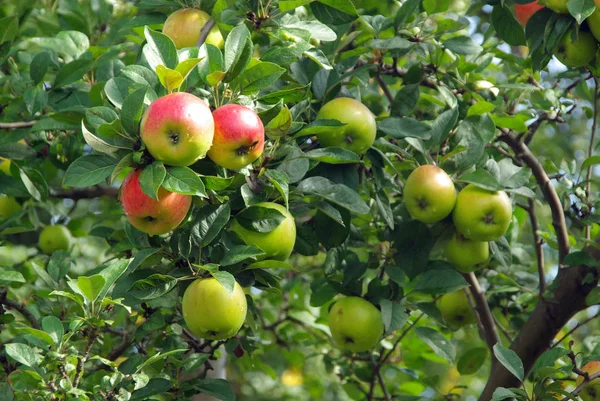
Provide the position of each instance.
(558, 6)
(577, 52)
(55, 238)
(8, 206)
(429, 194)
(359, 132)
(455, 309)
(356, 324)
(466, 255)
(482, 215)
(211, 312)
(593, 21)
(277, 244)
(184, 27)
(591, 392)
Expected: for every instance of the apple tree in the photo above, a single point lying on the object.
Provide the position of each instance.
(299, 200)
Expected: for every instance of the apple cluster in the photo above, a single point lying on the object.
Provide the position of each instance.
(579, 45)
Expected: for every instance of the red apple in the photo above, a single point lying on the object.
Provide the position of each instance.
(524, 11)
(178, 129)
(239, 137)
(150, 215)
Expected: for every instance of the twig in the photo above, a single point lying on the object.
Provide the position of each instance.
(539, 242)
(588, 184)
(82, 358)
(384, 87)
(386, 394)
(476, 313)
(120, 350)
(19, 308)
(582, 385)
(503, 329)
(384, 357)
(483, 309)
(87, 193)
(205, 31)
(20, 124)
(580, 324)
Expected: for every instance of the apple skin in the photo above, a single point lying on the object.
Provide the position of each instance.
(558, 6)
(576, 53)
(277, 244)
(429, 194)
(184, 26)
(590, 392)
(8, 206)
(239, 137)
(154, 217)
(54, 238)
(455, 309)
(5, 165)
(178, 129)
(523, 12)
(356, 324)
(212, 313)
(359, 132)
(482, 215)
(593, 21)
(466, 255)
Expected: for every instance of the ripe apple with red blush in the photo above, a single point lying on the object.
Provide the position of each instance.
(523, 12)
(149, 215)
(239, 137)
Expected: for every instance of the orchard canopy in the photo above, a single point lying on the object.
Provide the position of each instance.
(263, 200)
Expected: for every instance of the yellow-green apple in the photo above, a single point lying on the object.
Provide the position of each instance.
(8, 206)
(358, 133)
(277, 244)
(184, 27)
(482, 215)
(178, 129)
(523, 12)
(455, 309)
(429, 194)
(239, 137)
(211, 312)
(576, 52)
(149, 215)
(593, 21)
(558, 6)
(54, 238)
(356, 324)
(591, 392)
(5, 165)
(466, 255)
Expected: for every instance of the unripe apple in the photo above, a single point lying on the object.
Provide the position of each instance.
(455, 309)
(578, 52)
(8, 206)
(466, 255)
(211, 312)
(184, 27)
(178, 129)
(558, 6)
(239, 137)
(482, 215)
(591, 392)
(523, 12)
(359, 132)
(356, 324)
(277, 244)
(593, 21)
(149, 215)
(55, 238)
(5, 165)
(429, 194)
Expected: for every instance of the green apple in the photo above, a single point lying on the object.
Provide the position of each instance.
(277, 244)
(358, 133)
(5, 165)
(558, 6)
(184, 27)
(211, 312)
(429, 194)
(576, 52)
(8, 206)
(455, 309)
(466, 255)
(591, 392)
(55, 238)
(593, 21)
(356, 324)
(482, 215)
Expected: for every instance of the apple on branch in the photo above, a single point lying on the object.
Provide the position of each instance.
(455, 309)
(524, 12)
(356, 324)
(576, 49)
(55, 238)
(466, 255)
(429, 194)
(184, 27)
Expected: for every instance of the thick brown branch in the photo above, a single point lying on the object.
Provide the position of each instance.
(20, 124)
(86, 193)
(484, 312)
(205, 31)
(558, 216)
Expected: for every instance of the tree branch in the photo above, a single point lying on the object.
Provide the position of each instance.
(19, 308)
(558, 216)
(384, 88)
(86, 193)
(585, 381)
(580, 324)
(386, 394)
(485, 315)
(20, 124)
(538, 243)
(205, 31)
(82, 358)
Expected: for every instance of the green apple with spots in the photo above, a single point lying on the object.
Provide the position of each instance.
(55, 238)
(356, 324)
(429, 194)
(455, 309)
(466, 255)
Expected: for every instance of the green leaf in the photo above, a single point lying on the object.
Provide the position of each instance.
(89, 170)
(185, 181)
(217, 388)
(280, 181)
(470, 362)
(395, 43)
(270, 264)
(154, 286)
(42, 335)
(394, 315)
(260, 76)
(6, 392)
(462, 45)
(132, 110)
(404, 128)
(333, 12)
(510, 360)
(186, 66)
(152, 178)
(11, 276)
(59, 265)
(481, 107)
(320, 126)
(581, 9)
(160, 50)
(154, 386)
(22, 353)
(507, 26)
(73, 72)
(35, 183)
(289, 5)
(513, 123)
(502, 393)
(549, 358)
(157, 357)
(279, 125)
(332, 155)
(9, 28)
(170, 79)
(225, 279)
(260, 219)
(339, 194)
(54, 327)
(208, 223)
(439, 281)
(39, 65)
(238, 52)
(440, 345)
(36, 99)
(99, 144)
(580, 258)
(140, 75)
(113, 272)
(483, 179)
(88, 287)
(239, 253)
(590, 161)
